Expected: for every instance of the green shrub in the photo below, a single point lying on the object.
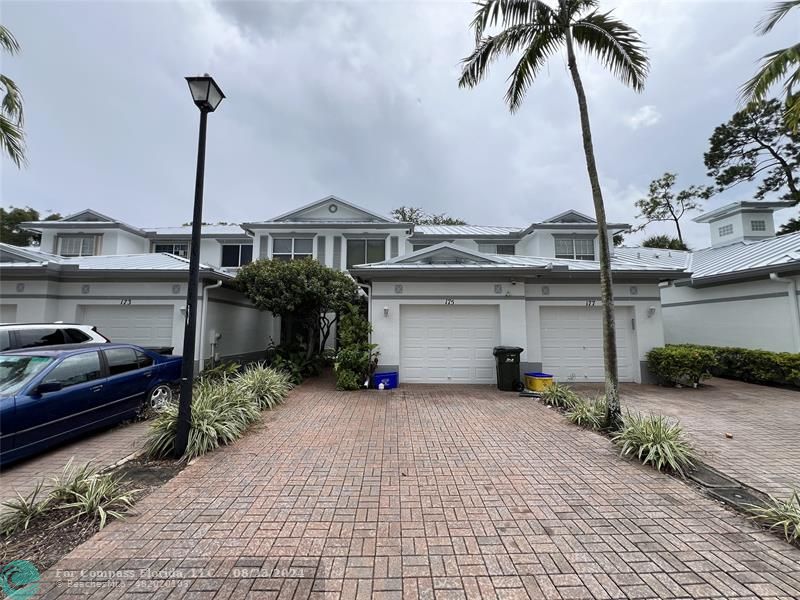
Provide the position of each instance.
(101, 496)
(560, 396)
(757, 366)
(19, 512)
(681, 365)
(220, 371)
(354, 328)
(780, 514)
(294, 360)
(589, 413)
(347, 380)
(655, 440)
(267, 386)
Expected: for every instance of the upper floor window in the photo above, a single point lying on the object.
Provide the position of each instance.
(291, 248)
(758, 225)
(725, 230)
(579, 248)
(497, 248)
(176, 248)
(360, 252)
(236, 255)
(416, 247)
(77, 245)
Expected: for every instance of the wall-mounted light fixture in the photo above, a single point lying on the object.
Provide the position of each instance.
(385, 311)
(651, 311)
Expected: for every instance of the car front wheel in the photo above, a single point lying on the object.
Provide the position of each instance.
(160, 396)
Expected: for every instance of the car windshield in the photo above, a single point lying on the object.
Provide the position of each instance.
(17, 371)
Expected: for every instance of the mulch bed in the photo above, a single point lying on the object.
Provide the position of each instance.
(45, 541)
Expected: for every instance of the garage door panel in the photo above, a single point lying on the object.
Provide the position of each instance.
(456, 346)
(8, 313)
(572, 343)
(145, 325)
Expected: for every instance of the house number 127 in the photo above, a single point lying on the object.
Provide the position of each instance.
(449, 301)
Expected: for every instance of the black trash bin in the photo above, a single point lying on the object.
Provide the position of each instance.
(507, 359)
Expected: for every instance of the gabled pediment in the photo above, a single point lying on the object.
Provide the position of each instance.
(570, 216)
(444, 254)
(332, 209)
(89, 215)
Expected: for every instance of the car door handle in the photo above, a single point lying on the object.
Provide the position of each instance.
(148, 374)
(96, 388)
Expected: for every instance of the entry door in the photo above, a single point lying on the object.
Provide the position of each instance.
(448, 344)
(572, 343)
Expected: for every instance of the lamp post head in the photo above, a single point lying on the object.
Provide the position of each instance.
(205, 92)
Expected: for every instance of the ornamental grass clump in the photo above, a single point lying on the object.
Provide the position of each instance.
(781, 515)
(267, 386)
(589, 413)
(559, 396)
(19, 512)
(655, 440)
(98, 497)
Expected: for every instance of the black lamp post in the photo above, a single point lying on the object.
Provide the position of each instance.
(207, 96)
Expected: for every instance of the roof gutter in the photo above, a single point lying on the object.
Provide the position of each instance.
(794, 314)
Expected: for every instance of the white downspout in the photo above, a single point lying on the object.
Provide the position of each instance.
(203, 322)
(795, 316)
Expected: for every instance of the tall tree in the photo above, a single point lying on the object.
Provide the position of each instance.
(791, 226)
(537, 31)
(756, 145)
(778, 66)
(417, 216)
(664, 204)
(12, 137)
(664, 241)
(12, 233)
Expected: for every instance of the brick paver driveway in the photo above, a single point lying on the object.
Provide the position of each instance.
(449, 492)
(101, 449)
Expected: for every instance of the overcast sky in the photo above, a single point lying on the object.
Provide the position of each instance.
(356, 99)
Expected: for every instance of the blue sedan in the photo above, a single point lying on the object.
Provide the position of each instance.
(52, 394)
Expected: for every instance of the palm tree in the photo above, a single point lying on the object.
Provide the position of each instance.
(12, 138)
(777, 65)
(537, 31)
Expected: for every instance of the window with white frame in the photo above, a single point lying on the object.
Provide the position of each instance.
(77, 245)
(177, 248)
(578, 248)
(758, 225)
(497, 248)
(725, 230)
(236, 255)
(360, 252)
(292, 248)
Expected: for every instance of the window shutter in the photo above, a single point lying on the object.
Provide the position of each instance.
(393, 244)
(263, 247)
(337, 252)
(321, 249)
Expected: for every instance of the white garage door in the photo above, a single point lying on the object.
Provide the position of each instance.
(572, 343)
(448, 344)
(143, 325)
(8, 313)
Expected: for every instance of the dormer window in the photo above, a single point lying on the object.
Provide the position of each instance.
(77, 245)
(725, 230)
(759, 225)
(575, 248)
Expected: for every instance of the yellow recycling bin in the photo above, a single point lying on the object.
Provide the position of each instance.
(538, 382)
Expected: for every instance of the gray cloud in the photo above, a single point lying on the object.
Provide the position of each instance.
(356, 99)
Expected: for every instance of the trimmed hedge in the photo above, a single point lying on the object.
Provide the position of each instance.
(681, 365)
(753, 366)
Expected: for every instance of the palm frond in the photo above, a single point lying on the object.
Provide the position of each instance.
(774, 15)
(488, 49)
(774, 67)
(616, 45)
(509, 13)
(543, 45)
(11, 104)
(8, 41)
(12, 141)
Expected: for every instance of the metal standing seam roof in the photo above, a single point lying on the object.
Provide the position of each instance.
(658, 257)
(465, 230)
(185, 230)
(746, 256)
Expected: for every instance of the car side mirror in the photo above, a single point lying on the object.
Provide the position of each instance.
(50, 386)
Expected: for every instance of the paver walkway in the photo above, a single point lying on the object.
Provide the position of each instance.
(763, 453)
(445, 492)
(100, 449)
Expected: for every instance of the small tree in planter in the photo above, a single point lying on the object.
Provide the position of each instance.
(304, 291)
